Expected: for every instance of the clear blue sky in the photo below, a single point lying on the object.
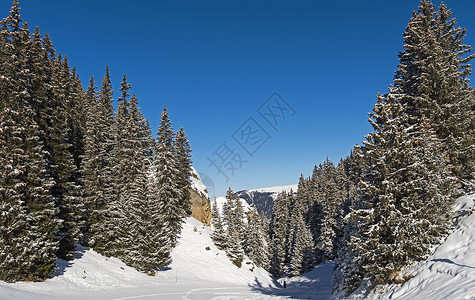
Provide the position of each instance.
(213, 63)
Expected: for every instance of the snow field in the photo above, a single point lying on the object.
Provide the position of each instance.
(197, 273)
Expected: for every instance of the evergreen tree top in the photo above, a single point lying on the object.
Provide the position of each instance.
(106, 90)
(165, 132)
(14, 20)
(92, 87)
(124, 88)
(230, 194)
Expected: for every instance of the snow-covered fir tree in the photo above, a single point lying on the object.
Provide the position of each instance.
(167, 176)
(431, 80)
(301, 252)
(183, 153)
(234, 220)
(123, 172)
(219, 234)
(406, 193)
(27, 211)
(348, 274)
(98, 162)
(331, 202)
(135, 196)
(279, 235)
(67, 189)
(255, 241)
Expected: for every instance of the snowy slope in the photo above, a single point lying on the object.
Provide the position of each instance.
(450, 272)
(197, 273)
(197, 184)
(193, 270)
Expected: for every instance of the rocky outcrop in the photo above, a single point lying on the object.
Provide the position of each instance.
(200, 204)
(200, 207)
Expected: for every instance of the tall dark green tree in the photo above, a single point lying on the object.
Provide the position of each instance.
(167, 176)
(27, 211)
(98, 162)
(183, 154)
(279, 235)
(147, 242)
(67, 189)
(406, 193)
(219, 234)
(255, 241)
(431, 81)
(234, 220)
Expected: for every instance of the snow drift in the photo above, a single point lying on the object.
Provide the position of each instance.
(450, 272)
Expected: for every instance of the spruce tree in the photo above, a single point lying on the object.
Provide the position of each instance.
(27, 218)
(255, 244)
(279, 235)
(183, 153)
(234, 215)
(156, 246)
(348, 273)
(301, 254)
(133, 194)
(91, 166)
(330, 207)
(98, 163)
(406, 192)
(167, 175)
(431, 80)
(116, 239)
(67, 189)
(219, 234)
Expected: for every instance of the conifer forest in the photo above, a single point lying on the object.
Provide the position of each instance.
(81, 167)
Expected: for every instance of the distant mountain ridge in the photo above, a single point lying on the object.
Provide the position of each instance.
(263, 198)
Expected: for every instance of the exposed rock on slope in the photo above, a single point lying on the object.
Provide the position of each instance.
(200, 204)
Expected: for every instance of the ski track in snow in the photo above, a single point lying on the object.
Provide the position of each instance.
(195, 274)
(146, 296)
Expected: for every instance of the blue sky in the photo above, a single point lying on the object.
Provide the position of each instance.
(214, 63)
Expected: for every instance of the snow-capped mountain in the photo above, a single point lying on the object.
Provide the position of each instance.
(263, 198)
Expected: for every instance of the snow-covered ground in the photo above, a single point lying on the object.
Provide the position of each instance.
(197, 184)
(449, 273)
(195, 273)
(198, 273)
